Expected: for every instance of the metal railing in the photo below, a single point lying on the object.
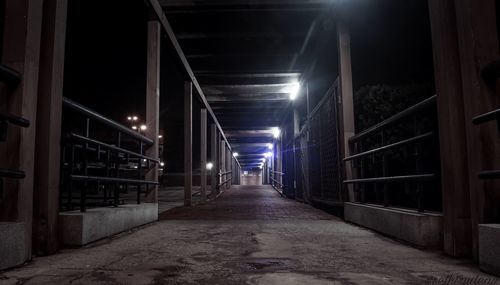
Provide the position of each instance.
(276, 177)
(223, 180)
(11, 79)
(99, 167)
(415, 142)
(483, 119)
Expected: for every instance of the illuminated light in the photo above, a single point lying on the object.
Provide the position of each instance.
(144, 127)
(144, 160)
(235, 154)
(294, 90)
(210, 166)
(268, 154)
(160, 136)
(276, 132)
(162, 164)
(263, 160)
(129, 118)
(270, 146)
(134, 127)
(135, 118)
(135, 167)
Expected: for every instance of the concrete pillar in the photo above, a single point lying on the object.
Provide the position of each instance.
(22, 39)
(188, 143)
(153, 102)
(203, 153)
(48, 140)
(346, 93)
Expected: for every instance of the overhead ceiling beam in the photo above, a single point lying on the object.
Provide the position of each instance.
(248, 97)
(171, 35)
(250, 75)
(250, 3)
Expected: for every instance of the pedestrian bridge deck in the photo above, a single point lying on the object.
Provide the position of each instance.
(251, 235)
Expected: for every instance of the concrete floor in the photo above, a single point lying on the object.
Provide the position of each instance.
(249, 236)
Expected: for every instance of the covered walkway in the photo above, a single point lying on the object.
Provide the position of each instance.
(249, 236)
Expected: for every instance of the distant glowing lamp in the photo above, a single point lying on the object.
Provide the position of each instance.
(210, 166)
(276, 132)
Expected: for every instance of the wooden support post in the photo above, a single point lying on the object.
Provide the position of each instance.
(153, 102)
(213, 155)
(48, 139)
(21, 52)
(346, 93)
(222, 151)
(188, 143)
(203, 153)
(452, 128)
(478, 47)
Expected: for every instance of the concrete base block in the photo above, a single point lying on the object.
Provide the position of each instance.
(79, 228)
(489, 248)
(420, 229)
(13, 249)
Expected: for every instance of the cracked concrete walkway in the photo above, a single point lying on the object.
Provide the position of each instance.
(249, 236)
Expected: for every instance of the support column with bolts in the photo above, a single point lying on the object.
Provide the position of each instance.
(22, 32)
(188, 143)
(49, 113)
(213, 155)
(153, 103)
(346, 93)
(203, 153)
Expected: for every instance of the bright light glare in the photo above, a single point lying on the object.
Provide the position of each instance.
(135, 118)
(294, 90)
(134, 127)
(210, 166)
(270, 146)
(144, 127)
(129, 118)
(162, 164)
(235, 154)
(268, 154)
(276, 132)
(160, 136)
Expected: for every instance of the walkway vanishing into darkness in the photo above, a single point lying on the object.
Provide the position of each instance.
(249, 236)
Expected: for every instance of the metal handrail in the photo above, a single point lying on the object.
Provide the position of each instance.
(14, 174)
(419, 177)
(110, 147)
(487, 117)
(15, 120)
(225, 182)
(277, 172)
(390, 146)
(489, 174)
(106, 121)
(9, 75)
(394, 119)
(113, 180)
(224, 173)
